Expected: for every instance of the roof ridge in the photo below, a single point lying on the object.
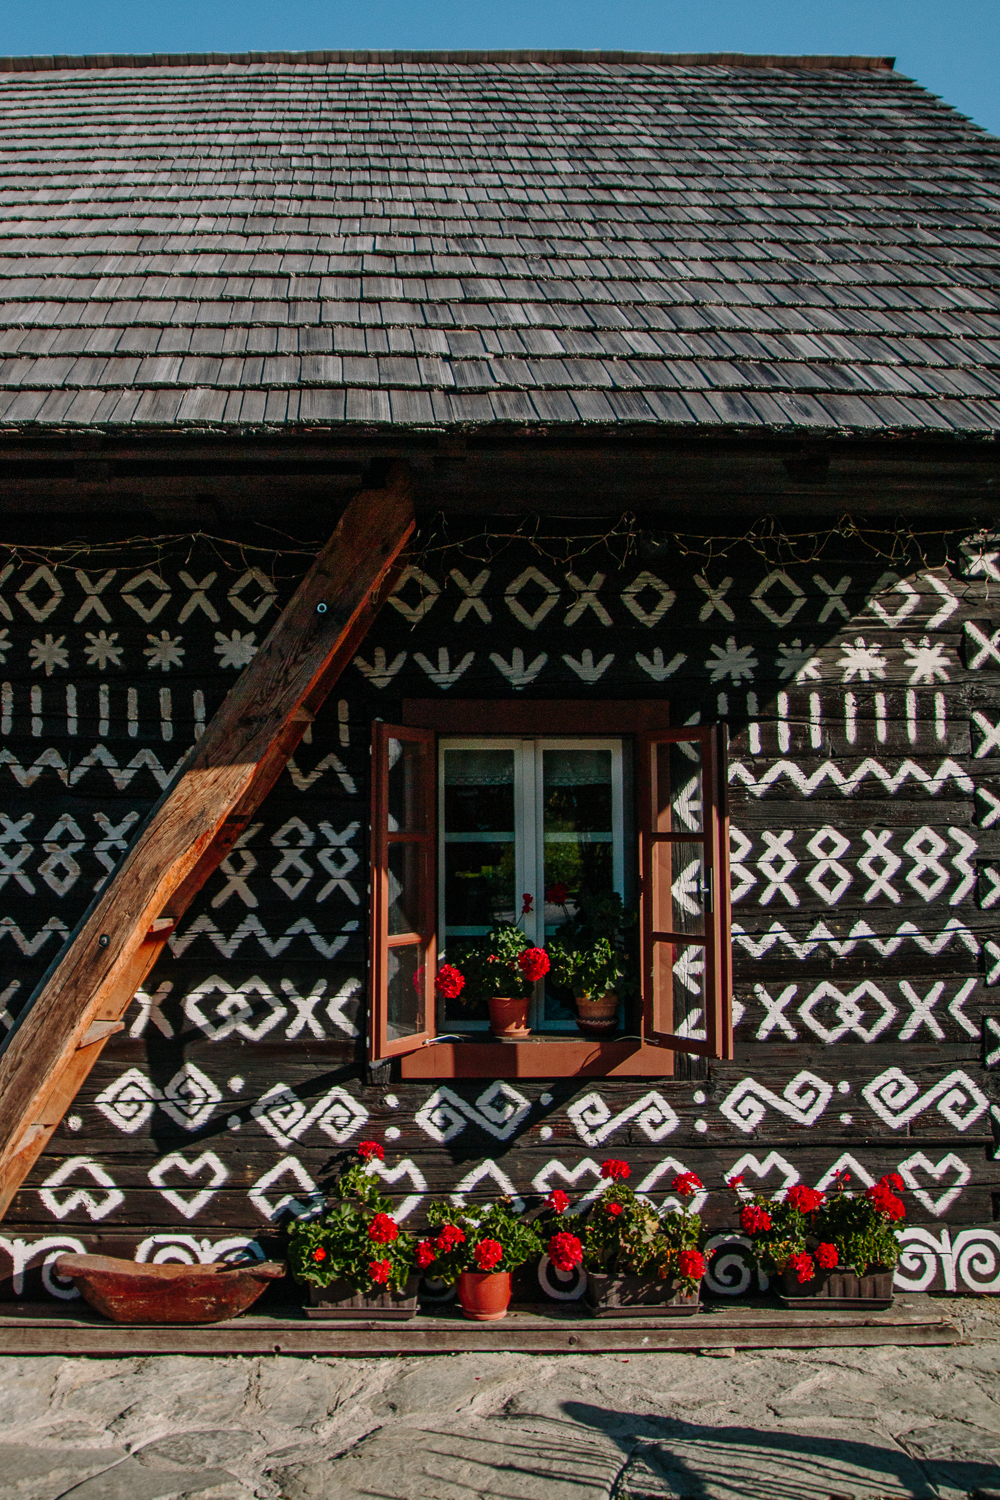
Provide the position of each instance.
(101, 61)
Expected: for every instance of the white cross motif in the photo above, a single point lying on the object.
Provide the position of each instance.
(988, 651)
(586, 598)
(472, 592)
(989, 743)
(92, 595)
(921, 1012)
(982, 556)
(198, 598)
(774, 1012)
(878, 852)
(777, 864)
(716, 599)
(835, 597)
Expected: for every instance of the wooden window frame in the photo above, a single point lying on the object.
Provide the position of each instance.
(646, 720)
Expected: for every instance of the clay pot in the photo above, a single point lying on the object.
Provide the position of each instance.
(597, 1015)
(129, 1292)
(484, 1295)
(509, 1017)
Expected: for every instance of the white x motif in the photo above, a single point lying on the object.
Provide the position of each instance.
(774, 1012)
(990, 733)
(878, 852)
(716, 600)
(989, 645)
(835, 597)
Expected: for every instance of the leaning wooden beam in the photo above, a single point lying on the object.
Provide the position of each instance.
(60, 1034)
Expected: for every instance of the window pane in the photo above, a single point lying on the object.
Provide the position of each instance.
(406, 811)
(578, 841)
(404, 888)
(678, 983)
(678, 877)
(678, 787)
(478, 884)
(406, 999)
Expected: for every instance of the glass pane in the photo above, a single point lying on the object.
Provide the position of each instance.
(678, 785)
(678, 884)
(405, 904)
(478, 885)
(406, 991)
(406, 811)
(578, 843)
(678, 989)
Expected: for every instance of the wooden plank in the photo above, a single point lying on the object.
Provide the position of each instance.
(225, 777)
(519, 1332)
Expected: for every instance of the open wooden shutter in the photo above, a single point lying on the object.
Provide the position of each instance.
(403, 886)
(684, 835)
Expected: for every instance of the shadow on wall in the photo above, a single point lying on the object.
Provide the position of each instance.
(691, 1461)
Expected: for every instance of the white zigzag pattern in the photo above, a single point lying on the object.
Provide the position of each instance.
(251, 927)
(848, 783)
(860, 932)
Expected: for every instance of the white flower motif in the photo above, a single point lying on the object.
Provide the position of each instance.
(102, 650)
(733, 661)
(928, 663)
(862, 661)
(235, 650)
(798, 661)
(5, 646)
(164, 651)
(49, 654)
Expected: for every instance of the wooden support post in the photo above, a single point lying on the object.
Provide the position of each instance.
(59, 1036)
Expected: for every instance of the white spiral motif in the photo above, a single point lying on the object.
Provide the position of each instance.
(897, 1100)
(731, 1270)
(594, 1121)
(803, 1100)
(561, 1286)
(920, 1255)
(977, 1260)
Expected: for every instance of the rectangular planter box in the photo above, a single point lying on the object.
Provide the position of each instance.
(621, 1296)
(839, 1288)
(339, 1300)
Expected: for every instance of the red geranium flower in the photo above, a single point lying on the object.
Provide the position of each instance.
(450, 1235)
(488, 1254)
(614, 1209)
(557, 893)
(424, 1254)
(755, 1220)
(383, 1229)
(379, 1270)
(734, 1182)
(558, 1201)
(319, 1254)
(880, 1194)
(687, 1184)
(565, 1251)
(806, 1199)
(368, 1149)
(450, 982)
(826, 1257)
(533, 963)
(527, 902)
(803, 1267)
(691, 1264)
(614, 1170)
(895, 1181)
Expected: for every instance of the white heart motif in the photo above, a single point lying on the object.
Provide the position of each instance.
(191, 1205)
(948, 1164)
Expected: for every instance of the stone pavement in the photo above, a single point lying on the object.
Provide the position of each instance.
(837, 1424)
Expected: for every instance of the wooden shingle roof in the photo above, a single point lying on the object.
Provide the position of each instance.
(465, 239)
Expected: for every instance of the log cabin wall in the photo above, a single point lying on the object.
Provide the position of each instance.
(861, 695)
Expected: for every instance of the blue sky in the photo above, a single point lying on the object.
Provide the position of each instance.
(950, 46)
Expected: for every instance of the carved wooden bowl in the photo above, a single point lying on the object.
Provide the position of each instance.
(128, 1292)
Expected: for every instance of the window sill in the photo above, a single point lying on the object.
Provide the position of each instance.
(539, 1057)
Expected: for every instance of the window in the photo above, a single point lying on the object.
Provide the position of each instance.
(475, 804)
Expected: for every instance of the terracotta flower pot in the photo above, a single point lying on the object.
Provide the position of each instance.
(597, 1015)
(484, 1295)
(509, 1016)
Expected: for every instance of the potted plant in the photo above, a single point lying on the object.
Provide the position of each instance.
(637, 1261)
(504, 967)
(354, 1258)
(831, 1249)
(589, 957)
(478, 1252)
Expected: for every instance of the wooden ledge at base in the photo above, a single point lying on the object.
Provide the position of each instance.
(45, 1330)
